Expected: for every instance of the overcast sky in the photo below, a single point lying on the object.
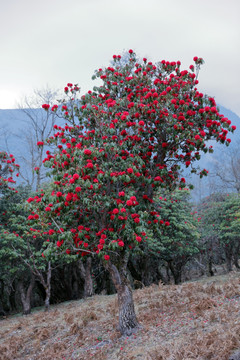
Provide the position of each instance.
(58, 41)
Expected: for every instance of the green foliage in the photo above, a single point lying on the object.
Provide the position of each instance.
(219, 225)
(180, 238)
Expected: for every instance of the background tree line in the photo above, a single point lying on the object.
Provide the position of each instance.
(197, 239)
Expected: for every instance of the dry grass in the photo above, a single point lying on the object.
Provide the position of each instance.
(196, 320)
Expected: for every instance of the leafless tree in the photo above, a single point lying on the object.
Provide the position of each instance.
(227, 170)
(39, 125)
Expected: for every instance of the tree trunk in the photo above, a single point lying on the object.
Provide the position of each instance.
(86, 275)
(210, 267)
(128, 323)
(236, 256)
(168, 274)
(228, 253)
(236, 262)
(229, 264)
(46, 284)
(146, 272)
(75, 285)
(176, 272)
(48, 287)
(26, 295)
(2, 312)
(88, 284)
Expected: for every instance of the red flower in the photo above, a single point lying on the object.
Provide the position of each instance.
(106, 257)
(45, 106)
(115, 211)
(54, 107)
(121, 243)
(48, 208)
(130, 51)
(158, 178)
(87, 152)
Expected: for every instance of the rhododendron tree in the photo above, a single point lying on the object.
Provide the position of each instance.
(7, 167)
(22, 247)
(123, 142)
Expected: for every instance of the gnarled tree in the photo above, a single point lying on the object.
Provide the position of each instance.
(123, 142)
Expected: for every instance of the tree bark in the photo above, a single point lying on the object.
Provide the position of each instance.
(229, 264)
(236, 256)
(2, 312)
(48, 287)
(128, 323)
(210, 267)
(45, 283)
(75, 285)
(228, 254)
(236, 262)
(176, 271)
(26, 295)
(86, 274)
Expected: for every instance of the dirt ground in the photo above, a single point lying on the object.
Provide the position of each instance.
(195, 320)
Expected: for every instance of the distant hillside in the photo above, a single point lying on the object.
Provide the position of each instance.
(12, 124)
(203, 187)
(14, 127)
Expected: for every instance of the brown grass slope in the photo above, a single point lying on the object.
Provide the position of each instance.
(196, 320)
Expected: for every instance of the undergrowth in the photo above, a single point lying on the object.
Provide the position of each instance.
(195, 320)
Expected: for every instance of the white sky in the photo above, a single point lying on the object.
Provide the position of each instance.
(58, 41)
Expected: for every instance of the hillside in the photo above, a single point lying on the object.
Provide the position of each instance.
(196, 320)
